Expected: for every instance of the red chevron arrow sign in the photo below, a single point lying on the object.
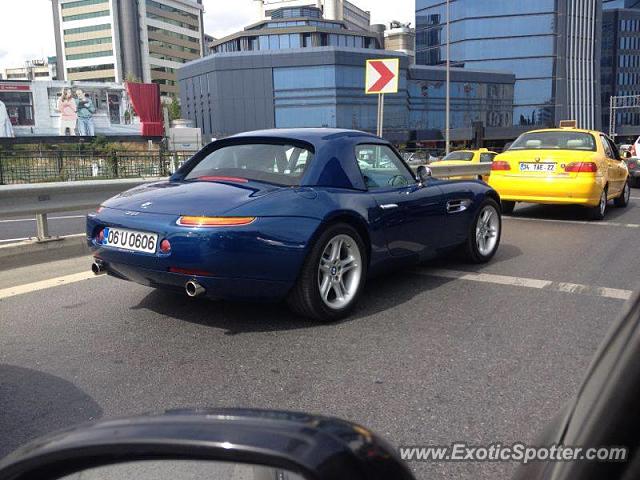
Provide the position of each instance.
(382, 75)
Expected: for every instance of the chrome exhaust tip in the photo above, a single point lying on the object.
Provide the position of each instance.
(97, 267)
(194, 289)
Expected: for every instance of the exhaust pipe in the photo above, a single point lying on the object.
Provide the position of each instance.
(194, 289)
(97, 267)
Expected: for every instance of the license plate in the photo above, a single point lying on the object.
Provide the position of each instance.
(537, 167)
(130, 240)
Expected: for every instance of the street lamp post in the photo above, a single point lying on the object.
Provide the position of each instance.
(447, 114)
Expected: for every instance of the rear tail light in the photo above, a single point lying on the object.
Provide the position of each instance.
(581, 167)
(188, 221)
(100, 236)
(165, 246)
(632, 164)
(500, 166)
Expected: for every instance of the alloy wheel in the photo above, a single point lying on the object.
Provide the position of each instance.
(339, 272)
(487, 230)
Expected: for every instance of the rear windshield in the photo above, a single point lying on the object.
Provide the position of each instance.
(466, 156)
(561, 140)
(279, 164)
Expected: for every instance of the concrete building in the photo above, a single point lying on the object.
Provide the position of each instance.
(32, 107)
(295, 28)
(233, 92)
(400, 37)
(552, 46)
(40, 69)
(354, 17)
(112, 40)
(621, 63)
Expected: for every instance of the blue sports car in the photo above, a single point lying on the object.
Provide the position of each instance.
(305, 215)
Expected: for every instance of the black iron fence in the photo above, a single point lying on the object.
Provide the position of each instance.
(60, 166)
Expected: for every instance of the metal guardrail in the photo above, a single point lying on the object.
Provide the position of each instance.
(40, 199)
(473, 169)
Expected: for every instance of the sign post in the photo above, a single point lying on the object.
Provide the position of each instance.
(382, 77)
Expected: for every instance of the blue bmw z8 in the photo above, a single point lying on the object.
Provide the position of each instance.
(302, 215)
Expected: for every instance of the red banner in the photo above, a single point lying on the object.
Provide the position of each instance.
(145, 98)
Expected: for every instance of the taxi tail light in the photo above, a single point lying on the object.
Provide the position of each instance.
(581, 167)
(189, 221)
(500, 166)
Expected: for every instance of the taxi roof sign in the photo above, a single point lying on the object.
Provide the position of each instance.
(382, 75)
(568, 124)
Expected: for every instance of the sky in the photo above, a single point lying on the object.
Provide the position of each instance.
(26, 26)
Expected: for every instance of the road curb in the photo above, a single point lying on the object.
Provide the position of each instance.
(32, 252)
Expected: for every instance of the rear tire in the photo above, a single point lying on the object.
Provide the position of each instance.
(484, 233)
(623, 200)
(324, 291)
(508, 207)
(599, 211)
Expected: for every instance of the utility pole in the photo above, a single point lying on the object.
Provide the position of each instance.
(447, 114)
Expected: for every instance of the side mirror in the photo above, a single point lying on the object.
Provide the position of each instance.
(225, 444)
(423, 174)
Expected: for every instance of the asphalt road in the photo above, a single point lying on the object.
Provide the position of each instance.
(431, 356)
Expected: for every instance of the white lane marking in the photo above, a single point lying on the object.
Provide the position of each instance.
(44, 284)
(575, 222)
(63, 217)
(635, 198)
(7, 240)
(564, 287)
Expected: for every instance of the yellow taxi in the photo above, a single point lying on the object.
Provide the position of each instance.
(465, 157)
(562, 166)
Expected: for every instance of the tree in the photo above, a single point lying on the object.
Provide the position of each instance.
(174, 108)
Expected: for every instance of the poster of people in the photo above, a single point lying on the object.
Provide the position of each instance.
(76, 114)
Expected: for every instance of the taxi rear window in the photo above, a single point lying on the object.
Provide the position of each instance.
(466, 156)
(561, 140)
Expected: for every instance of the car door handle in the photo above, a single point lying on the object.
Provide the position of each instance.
(457, 206)
(389, 206)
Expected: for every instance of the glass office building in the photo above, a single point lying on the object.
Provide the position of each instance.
(550, 46)
(324, 87)
(621, 63)
(295, 28)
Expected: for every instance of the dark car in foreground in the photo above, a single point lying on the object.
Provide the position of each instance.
(305, 215)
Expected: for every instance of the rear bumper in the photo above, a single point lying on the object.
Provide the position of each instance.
(259, 261)
(217, 288)
(553, 190)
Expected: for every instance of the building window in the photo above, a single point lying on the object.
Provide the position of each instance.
(82, 56)
(19, 107)
(169, 33)
(83, 3)
(171, 46)
(91, 68)
(84, 16)
(167, 8)
(170, 21)
(93, 28)
(93, 41)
